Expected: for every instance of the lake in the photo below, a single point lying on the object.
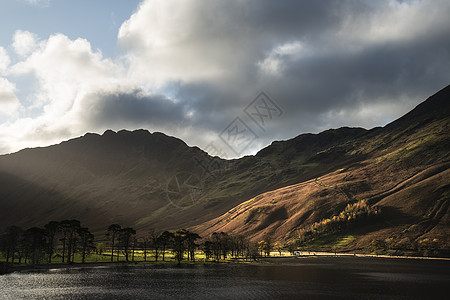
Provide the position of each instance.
(297, 278)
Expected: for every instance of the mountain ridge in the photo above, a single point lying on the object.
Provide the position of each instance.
(125, 177)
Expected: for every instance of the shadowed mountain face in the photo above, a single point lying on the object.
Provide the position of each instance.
(150, 180)
(130, 178)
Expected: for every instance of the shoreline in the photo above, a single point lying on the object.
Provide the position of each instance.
(8, 268)
(346, 254)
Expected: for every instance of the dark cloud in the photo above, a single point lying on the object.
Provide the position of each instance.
(133, 108)
(346, 63)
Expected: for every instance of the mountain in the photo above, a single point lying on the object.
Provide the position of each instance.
(127, 178)
(402, 170)
(136, 179)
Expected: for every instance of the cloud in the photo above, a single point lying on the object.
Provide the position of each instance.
(41, 3)
(4, 60)
(189, 68)
(66, 70)
(328, 64)
(8, 99)
(24, 42)
(62, 72)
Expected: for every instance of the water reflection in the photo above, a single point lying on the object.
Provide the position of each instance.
(320, 278)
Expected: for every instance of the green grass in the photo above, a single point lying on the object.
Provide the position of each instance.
(138, 257)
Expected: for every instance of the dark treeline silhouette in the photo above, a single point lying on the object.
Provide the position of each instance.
(40, 245)
(184, 243)
(122, 239)
(61, 241)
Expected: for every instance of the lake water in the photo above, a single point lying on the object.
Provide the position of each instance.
(302, 278)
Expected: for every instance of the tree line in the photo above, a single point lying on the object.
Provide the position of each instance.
(354, 214)
(182, 243)
(40, 245)
(63, 240)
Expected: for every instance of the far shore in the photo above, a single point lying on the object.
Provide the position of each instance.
(273, 259)
(352, 254)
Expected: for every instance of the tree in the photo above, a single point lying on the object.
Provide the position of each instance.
(34, 244)
(51, 229)
(165, 239)
(221, 244)
(261, 247)
(10, 242)
(237, 244)
(37, 245)
(267, 245)
(252, 250)
(144, 245)
(155, 241)
(207, 249)
(126, 240)
(73, 228)
(134, 244)
(191, 238)
(291, 246)
(86, 241)
(113, 233)
(179, 247)
(279, 246)
(216, 246)
(69, 229)
(100, 248)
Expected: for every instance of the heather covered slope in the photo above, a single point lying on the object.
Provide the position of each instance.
(414, 206)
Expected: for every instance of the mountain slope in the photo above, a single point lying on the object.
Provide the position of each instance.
(125, 177)
(403, 169)
(128, 178)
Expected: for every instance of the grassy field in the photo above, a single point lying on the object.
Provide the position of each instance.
(138, 258)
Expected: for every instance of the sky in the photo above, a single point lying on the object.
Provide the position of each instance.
(227, 76)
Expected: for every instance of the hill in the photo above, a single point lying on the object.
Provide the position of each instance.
(136, 179)
(401, 171)
(128, 178)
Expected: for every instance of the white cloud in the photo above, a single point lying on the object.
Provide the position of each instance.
(64, 72)
(9, 102)
(273, 63)
(24, 42)
(67, 69)
(4, 60)
(42, 3)
(390, 22)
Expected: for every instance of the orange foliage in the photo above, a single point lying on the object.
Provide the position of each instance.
(352, 213)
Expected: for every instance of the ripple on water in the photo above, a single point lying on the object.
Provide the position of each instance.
(216, 282)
